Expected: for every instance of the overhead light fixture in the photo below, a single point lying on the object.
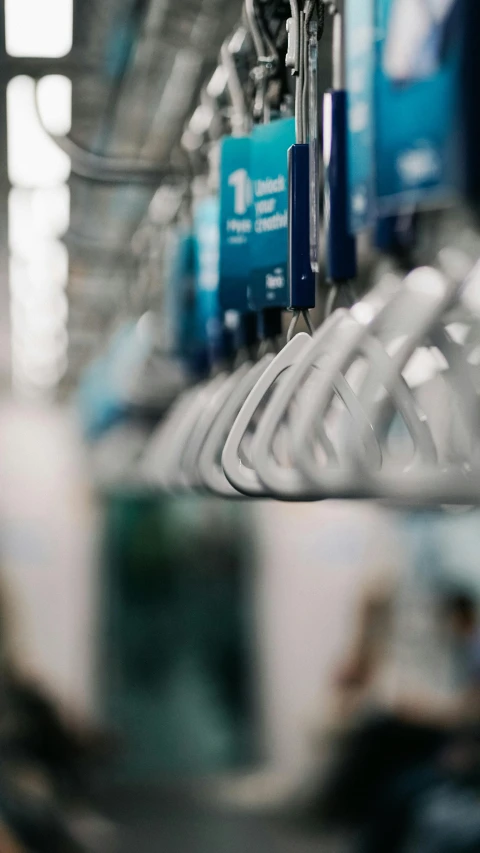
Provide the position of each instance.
(34, 161)
(38, 27)
(238, 40)
(191, 141)
(54, 98)
(201, 119)
(218, 82)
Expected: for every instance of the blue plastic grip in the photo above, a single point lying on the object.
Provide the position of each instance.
(301, 278)
(340, 247)
(247, 334)
(269, 323)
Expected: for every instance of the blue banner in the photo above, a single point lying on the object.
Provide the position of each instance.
(269, 250)
(179, 284)
(236, 223)
(209, 326)
(360, 71)
(418, 116)
(404, 79)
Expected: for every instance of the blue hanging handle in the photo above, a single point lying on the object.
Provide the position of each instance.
(300, 275)
(341, 258)
(302, 58)
(395, 235)
(269, 323)
(247, 335)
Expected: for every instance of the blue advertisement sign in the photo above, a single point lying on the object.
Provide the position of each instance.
(360, 71)
(269, 245)
(417, 84)
(179, 278)
(207, 275)
(236, 223)
(404, 60)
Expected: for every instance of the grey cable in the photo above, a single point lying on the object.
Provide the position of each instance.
(261, 38)
(96, 167)
(235, 89)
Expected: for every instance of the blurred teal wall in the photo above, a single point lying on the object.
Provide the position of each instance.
(176, 616)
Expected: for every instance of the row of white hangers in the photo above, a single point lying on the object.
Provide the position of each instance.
(380, 402)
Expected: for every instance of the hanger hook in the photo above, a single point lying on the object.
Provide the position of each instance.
(294, 323)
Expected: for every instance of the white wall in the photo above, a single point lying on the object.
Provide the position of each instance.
(313, 557)
(47, 542)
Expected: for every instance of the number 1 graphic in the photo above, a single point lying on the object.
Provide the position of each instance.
(240, 181)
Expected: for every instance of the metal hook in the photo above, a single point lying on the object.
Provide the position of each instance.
(261, 39)
(294, 322)
(334, 294)
(267, 60)
(237, 97)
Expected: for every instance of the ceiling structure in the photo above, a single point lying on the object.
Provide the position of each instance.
(137, 69)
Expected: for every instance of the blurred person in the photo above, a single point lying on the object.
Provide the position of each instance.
(404, 701)
(406, 710)
(9, 844)
(47, 761)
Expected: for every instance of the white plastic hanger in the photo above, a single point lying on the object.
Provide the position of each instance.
(335, 335)
(457, 482)
(155, 464)
(236, 463)
(209, 462)
(174, 476)
(386, 346)
(216, 391)
(241, 475)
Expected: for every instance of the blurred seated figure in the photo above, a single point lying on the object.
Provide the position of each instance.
(46, 765)
(35, 733)
(405, 709)
(9, 844)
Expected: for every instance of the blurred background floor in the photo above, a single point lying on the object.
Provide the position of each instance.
(172, 822)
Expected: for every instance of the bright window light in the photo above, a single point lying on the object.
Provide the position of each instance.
(21, 231)
(39, 309)
(54, 97)
(48, 266)
(41, 354)
(34, 161)
(41, 347)
(38, 27)
(43, 318)
(51, 211)
(36, 217)
(39, 331)
(43, 271)
(39, 375)
(28, 293)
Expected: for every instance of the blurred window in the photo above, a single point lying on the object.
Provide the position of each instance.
(38, 27)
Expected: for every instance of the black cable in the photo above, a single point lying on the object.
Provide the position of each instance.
(319, 6)
(321, 18)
